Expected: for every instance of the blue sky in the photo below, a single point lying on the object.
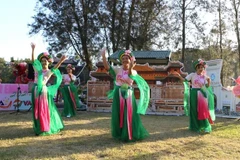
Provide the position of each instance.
(14, 38)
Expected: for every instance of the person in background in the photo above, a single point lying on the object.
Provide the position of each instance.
(126, 123)
(46, 118)
(69, 93)
(20, 72)
(199, 104)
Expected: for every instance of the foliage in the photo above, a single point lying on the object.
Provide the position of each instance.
(186, 22)
(6, 73)
(81, 28)
(6, 70)
(210, 53)
(78, 24)
(69, 26)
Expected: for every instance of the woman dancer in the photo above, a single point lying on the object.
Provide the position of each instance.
(126, 123)
(201, 107)
(69, 93)
(46, 119)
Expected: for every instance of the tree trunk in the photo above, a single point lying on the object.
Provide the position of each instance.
(183, 30)
(84, 38)
(113, 25)
(119, 30)
(128, 36)
(220, 35)
(236, 7)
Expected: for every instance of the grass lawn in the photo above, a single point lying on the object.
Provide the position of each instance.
(87, 136)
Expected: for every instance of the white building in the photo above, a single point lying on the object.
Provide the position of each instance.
(226, 100)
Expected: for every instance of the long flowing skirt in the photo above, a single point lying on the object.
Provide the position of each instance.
(71, 100)
(194, 123)
(138, 130)
(56, 123)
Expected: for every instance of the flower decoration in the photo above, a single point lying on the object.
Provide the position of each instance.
(45, 55)
(198, 62)
(133, 59)
(70, 66)
(126, 53)
(124, 86)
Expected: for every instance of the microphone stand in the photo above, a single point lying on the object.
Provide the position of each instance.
(18, 104)
(18, 92)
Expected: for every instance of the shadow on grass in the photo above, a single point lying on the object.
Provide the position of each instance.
(169, 151)
(14, 131)
(65, 146)
(224, 123)
(8, 117)
(68, 142)
(165, 127)
(93, 124)
(16, 124)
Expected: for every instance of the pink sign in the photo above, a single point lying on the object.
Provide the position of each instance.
(9, 100)
(12, 88)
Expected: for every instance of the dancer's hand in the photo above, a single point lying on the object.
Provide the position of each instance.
(63, 58)
(105, 63)
(103, 52)
(176, 74)
(33, 45)
(132, 63)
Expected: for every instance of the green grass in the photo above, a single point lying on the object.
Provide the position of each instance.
(87, 136)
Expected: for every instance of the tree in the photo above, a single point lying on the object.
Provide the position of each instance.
(220, 29)
(134, 24)
(148, 24)
(113, 19)
(6, 72)
(187, 21)
(235, 8)
(69, 26)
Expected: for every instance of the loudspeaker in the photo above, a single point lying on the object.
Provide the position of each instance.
(30, 71)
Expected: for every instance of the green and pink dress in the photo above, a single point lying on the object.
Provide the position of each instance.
(70, 96)
(126, 122)
(46, 118)
(199, 103)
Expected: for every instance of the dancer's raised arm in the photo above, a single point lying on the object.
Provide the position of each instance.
(180, 77)
(105, 63)
(132, 65)
(33, 47)
(63, 58)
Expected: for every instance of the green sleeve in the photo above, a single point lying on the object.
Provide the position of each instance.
(113, 74)
(52, 90)
(144, 93)
(211, 103)
(37, 65)
(210, 97)
(38, 68)
(186, 103)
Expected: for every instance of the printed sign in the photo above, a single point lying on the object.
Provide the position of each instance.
(10, 100)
